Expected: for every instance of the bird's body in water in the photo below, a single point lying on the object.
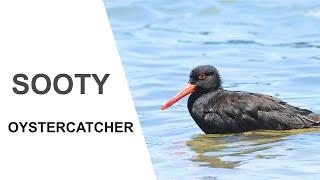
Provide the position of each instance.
(216, 110)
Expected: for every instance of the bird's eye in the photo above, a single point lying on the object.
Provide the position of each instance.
(202, 76)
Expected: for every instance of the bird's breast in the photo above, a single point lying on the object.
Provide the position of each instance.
(197, 105)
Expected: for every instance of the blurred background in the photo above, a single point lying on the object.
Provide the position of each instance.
(265, 46)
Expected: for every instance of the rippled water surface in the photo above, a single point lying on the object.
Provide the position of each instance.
(271, 47)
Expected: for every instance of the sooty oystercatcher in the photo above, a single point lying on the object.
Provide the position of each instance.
(217, 110)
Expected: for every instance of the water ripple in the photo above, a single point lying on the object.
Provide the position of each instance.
(270, 48)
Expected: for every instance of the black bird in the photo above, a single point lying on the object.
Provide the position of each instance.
(218, 111)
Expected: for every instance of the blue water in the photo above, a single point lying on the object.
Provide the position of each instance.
(270, 47)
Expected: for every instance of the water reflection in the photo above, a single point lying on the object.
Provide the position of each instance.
(230, 151)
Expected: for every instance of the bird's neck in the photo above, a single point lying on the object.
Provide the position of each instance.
(212, 90)
(218, 89)
(203, 94)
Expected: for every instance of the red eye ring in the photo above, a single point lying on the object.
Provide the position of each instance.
(202, 76)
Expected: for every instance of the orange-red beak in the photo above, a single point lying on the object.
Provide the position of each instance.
(190, 88)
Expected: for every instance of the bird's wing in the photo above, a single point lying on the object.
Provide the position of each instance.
(294, 109)
(249, 111)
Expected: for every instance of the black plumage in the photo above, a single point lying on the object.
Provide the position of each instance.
(216, 110)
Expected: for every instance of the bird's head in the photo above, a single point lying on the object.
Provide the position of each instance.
(203, 79)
